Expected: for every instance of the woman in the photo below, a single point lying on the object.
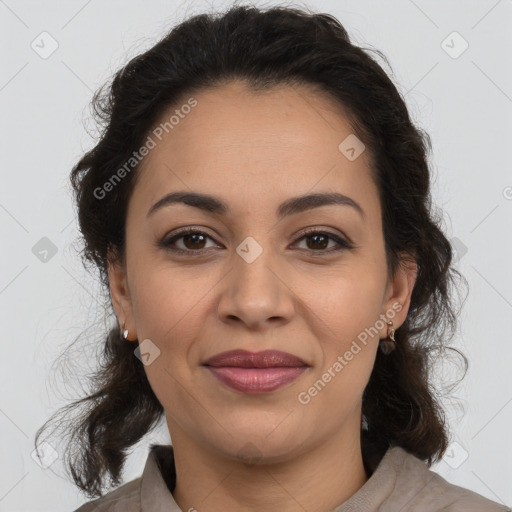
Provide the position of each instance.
(258, 208)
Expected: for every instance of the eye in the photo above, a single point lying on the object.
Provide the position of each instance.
(193, 241)
(319, 240)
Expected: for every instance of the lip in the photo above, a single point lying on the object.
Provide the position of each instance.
(263, 359)
(255, 372)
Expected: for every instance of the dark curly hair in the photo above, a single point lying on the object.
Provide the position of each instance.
(267, 48)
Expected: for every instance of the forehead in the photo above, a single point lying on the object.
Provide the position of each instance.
(254, 148)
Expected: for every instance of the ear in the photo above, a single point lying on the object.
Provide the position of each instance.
(120, 294)
(399, 291)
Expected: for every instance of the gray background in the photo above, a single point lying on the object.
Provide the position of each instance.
(464, 100)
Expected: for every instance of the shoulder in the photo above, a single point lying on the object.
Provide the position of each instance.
(142, 493)
(421, 488)
(123, 499)
(453, 498)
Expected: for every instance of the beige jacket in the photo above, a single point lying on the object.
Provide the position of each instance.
(400, 483)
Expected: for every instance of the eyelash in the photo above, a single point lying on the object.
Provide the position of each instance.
(166, 243)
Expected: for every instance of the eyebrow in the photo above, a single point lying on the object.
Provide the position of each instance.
(215, 205)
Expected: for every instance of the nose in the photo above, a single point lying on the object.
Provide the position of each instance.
(256, 292)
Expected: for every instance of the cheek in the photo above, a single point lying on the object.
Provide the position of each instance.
(169, 304)
(348, 349)
(169, 309)
(346, 312)
(347, 301)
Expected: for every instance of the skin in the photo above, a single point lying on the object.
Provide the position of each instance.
(255, 151)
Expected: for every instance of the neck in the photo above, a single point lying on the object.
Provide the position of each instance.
(318, 480)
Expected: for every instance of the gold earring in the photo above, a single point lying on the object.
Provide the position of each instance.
(389, 344)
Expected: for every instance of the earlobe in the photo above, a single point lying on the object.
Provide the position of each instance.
(120, 296)
(401, 287)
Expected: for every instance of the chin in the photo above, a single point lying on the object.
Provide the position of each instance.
(255, 446)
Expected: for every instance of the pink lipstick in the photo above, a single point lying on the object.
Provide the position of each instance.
(255, 372)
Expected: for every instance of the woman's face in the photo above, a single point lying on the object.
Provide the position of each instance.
(249, 278)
